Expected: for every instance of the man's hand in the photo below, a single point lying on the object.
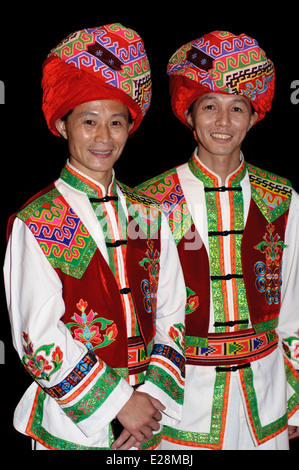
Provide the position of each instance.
(140, 416)
(293, 432)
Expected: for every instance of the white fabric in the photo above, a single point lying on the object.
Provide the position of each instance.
(269, 374)
(35, 304)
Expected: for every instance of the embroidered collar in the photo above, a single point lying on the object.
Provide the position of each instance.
(209, 178)
(87, 185)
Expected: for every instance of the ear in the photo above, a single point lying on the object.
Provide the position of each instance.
(131, 125)
(61, 127)
(253, 120)
(189, 118)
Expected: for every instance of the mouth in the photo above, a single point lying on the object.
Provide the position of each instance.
(221, 136)
(101, 153)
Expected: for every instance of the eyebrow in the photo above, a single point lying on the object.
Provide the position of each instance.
(235, 100)
(94, 113)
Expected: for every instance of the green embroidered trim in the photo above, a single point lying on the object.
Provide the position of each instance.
(167, 384)
(266, 326)
(77, 183)
(211, 439)
(152, 189)
(109, 236)
(79, 270)
(196, 341)
(263, 432)
(95, 397)
(38, 432)
(153, 442)
(214, 248)
(71, 256)
(293, 381)
(164, 189)
(270, 215)
(271, 193)
(37, 203)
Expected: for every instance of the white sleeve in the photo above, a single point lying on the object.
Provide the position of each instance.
(165, 378)
(288, 327)
(46, 346)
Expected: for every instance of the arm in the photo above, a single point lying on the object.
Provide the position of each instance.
(288, 328)
(45, 345)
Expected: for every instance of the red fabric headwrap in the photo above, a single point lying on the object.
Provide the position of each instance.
(65, 87)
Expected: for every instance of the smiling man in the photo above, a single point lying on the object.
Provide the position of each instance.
(95, 290)
(236, 228)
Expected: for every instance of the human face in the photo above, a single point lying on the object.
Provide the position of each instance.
(221, 123)
(97, 132)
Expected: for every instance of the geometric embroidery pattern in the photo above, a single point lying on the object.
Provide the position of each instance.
(233, 348)
(60, 233)
(75, 377)
(271, 193)
(168, 192)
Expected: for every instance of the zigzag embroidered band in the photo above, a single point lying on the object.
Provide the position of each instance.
(233, 348)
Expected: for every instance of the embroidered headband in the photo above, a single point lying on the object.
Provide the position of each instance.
(108, 62)
(221, 62)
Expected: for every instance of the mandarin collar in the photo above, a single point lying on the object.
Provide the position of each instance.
(211, 179)
(78, 180)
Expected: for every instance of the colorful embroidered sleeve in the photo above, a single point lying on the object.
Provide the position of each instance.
(165, 376)
(87, 389)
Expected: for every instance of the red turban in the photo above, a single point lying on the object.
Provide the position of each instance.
(221, 62)
(105, 63)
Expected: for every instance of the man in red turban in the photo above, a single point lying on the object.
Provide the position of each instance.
(87, 269)
(236, 228)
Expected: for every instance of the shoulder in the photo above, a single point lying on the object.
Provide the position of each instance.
(32, 205)
(44, 198)
(133, 196)
(160, 186)
(267, 178)
(271, 192)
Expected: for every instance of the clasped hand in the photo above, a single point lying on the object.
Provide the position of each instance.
(140, 416)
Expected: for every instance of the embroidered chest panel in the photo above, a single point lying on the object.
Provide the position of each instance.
(60, 233)
(271, 193)
(168, 192)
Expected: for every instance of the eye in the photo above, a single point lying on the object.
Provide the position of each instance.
(209, 107)
(237, 109)
(89, 122)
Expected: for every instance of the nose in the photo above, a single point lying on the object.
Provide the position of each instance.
(102, 134)
(223, 118)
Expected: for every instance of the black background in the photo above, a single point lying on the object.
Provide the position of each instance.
(31, 157)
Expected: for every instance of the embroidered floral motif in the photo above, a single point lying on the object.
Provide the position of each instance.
(176, 333)
(36, 363)
(291, 346)
(192, 301)
(269, 273)
(151, 263)
(87, 329)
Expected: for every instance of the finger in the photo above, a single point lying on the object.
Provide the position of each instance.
(147, 433)
(121, 439)
(154, 425)
(131, 442)
(157, 415)
(156, 403)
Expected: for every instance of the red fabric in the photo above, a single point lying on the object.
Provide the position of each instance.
(185, 91)
(138, 250)
(255, 230)
(66, 87)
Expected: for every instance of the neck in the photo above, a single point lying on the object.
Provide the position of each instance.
(221, 165)
(104, 178)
